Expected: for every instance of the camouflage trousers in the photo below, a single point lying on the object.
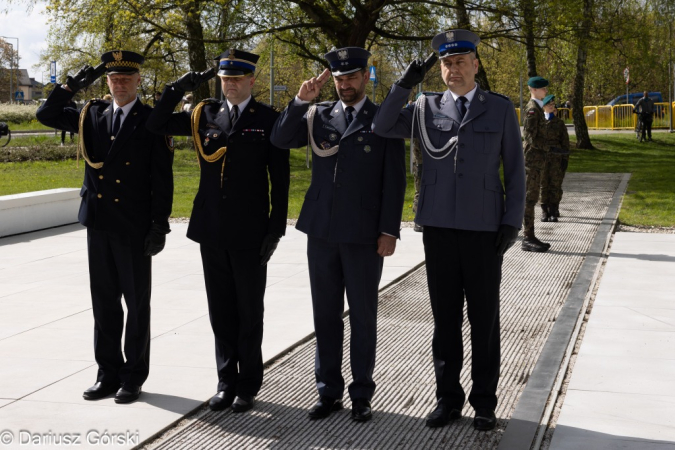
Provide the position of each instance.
(535, 160)
(417, 171)
(552, 179)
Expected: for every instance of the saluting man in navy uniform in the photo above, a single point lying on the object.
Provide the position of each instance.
(236, 219)
(351, 215)
(126, 203)
(469, 218)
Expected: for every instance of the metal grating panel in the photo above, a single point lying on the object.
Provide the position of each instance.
(534, 288)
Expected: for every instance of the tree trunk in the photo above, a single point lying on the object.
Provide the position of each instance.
(464, 23)
(580, 127)
(196, 51)
(528, 31)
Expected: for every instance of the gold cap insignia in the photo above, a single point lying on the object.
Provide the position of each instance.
(117, 55)
(231, 54)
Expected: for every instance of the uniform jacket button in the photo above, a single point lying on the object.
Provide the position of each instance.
(100, 196)
(100, 177)
(117, 200)
(460, 175)
(117, 181)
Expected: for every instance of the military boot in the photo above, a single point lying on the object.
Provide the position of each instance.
(553, 213)
(556, 212)
(545, 215)
(532, 244)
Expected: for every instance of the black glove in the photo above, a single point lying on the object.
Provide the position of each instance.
(415, 72)
(85, 77)
(506, 237)
(563, 164)
(191, 80)
(155, 239)
(268, 246)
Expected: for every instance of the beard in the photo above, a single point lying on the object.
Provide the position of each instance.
(350, 95)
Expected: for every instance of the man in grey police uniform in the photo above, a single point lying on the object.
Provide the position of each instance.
(236, 219)
(469, 219)
(127, 195)
(352, 215)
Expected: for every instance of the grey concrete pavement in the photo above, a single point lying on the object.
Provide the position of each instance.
(619, 395)
(46, 335)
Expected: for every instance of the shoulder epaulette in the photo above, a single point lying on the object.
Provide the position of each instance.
(499, 95)
(95, 101)
(325, 104)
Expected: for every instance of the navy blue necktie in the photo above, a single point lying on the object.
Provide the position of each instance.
(461, 106)
(117, 122)
(350, 114)
(235, 114)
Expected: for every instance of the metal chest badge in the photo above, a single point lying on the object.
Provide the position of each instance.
(366, 148)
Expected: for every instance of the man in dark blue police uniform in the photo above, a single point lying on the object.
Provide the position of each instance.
(126, 202)
(351, 214)
(231, 217)
(469, 218)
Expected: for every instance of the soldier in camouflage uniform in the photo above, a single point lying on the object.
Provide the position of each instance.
(556, 161)
(417, 175)
(535, 136)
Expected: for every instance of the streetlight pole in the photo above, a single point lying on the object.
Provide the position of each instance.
(11, 87)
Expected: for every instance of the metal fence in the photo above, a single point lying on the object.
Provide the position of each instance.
(617, 117)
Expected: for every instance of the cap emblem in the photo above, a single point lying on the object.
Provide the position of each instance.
(343, 54)
(231, 56)
(117, 55)
(450, 35)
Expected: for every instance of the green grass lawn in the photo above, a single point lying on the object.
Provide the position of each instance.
(650, 197)
(650, 200)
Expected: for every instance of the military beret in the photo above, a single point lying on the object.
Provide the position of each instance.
(455, 42)
(236, 63)
(548, 99)
(537, 82)
(347, 60)
(122, 61)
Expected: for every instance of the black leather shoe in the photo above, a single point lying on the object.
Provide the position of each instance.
(532, 244)
(100, 390)
(323, 407)
(442, 415)
(485, 420)
(361, 410)
(243, 403)
(221, 401)
(552, 219)
(128, 393)
(418, 228)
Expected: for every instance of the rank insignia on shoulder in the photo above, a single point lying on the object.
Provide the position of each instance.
(481, 97)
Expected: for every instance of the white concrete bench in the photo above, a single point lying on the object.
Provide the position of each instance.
(31, 211)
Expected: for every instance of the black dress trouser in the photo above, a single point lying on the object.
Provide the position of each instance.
(235, 290)
(464, 263)
(336, 268)
(118, 267)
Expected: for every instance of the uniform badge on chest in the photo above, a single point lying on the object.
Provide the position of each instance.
(366, 148)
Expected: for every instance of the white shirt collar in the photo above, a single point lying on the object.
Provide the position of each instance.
(242, 105)
(126, 108)
(356, 107)
(539, 102)
(468, 96)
